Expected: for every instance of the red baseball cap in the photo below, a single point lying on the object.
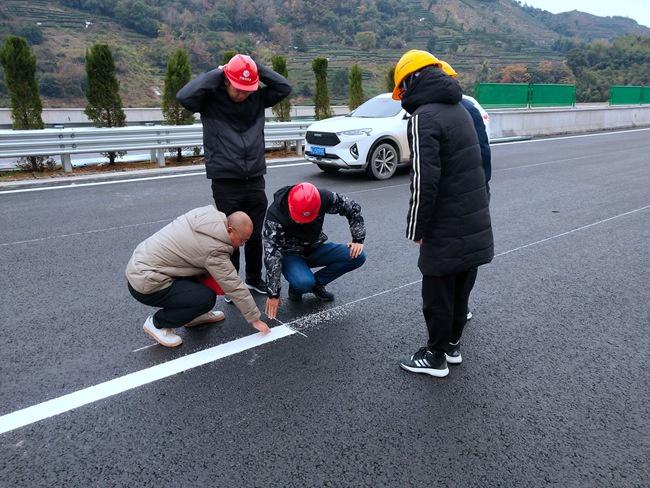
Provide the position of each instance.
(304, 203)
(242, 73)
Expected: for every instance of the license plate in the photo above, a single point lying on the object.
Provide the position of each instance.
(318, 151)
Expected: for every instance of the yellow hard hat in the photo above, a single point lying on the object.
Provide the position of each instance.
(412, 61)
(446, 67)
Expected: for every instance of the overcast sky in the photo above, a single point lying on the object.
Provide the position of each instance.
(638, 10)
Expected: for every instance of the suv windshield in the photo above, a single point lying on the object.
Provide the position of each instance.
(378, 107)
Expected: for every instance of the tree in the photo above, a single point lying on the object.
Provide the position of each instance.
(366, 40)
(19, 66)
(321, 97)
(178, 75)
(282, 110)
(104, 106)
(431, 43)
(390, 79)
(356, 88)
(299, 41)
(483, 75)
(339, 82)
(227, 56)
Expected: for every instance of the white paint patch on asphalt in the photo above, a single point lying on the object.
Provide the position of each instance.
(50, 408)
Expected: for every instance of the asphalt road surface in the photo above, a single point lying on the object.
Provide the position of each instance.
(553, 390)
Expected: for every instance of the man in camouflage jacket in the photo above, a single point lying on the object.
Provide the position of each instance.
(294, 242)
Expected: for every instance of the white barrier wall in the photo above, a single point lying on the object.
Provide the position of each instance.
(546, 122)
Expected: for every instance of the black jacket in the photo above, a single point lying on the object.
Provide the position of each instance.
(281, 235)
(448, 209)
(233, 133)
(483, 140)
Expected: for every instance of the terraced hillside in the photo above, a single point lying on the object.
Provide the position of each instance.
(467, 33)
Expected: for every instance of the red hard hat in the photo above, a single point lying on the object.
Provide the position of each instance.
(304, 203)
(241, 71)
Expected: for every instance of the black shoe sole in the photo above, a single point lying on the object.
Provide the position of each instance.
(437, 373)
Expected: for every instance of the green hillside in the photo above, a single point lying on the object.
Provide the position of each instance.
(372, 33)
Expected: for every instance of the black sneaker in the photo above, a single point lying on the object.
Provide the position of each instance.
(322, 294)
(258, 286)
(294, 296)
(453, 353)
(427, 362)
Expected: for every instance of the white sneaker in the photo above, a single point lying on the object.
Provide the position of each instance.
(164, 337)
(207, 318)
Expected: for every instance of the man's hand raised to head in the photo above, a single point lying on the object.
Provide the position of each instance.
(355, 249)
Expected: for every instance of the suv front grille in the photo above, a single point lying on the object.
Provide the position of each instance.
(322, 138)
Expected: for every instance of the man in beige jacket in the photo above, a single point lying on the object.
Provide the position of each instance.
(164, 268)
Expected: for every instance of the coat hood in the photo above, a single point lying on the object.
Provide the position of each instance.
(431, 85)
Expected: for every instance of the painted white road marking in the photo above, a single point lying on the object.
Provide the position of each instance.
(115, 386)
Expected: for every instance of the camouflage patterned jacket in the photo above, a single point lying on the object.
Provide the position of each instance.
(282, 236)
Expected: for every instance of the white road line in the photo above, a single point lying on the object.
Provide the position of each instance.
(131, 180)
(50, 408)
(574, 137)
(94, 231)
(115, 386)
(572, 231)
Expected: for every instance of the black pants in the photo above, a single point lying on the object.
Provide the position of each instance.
(183, 301)
(444, 304)
(247, 196)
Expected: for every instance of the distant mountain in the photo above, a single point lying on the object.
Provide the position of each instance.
(476, 36)
(586, 26)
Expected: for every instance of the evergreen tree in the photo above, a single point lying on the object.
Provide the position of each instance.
(321, 97)
(282, 110)
(227, 56)
(19, 65)
(356, 89)
(104, 106)
(390, 79)
(178, 75)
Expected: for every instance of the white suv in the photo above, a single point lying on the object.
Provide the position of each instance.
(372, 137)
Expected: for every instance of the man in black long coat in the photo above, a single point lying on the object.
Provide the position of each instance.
(448, 213)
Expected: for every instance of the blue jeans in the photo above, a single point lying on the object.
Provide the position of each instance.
(335, 257)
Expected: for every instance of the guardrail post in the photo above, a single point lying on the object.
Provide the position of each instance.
(160, 157)
(152, 156)
(299, 147)
(66, 162)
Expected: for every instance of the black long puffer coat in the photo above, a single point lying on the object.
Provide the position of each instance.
(448, 209)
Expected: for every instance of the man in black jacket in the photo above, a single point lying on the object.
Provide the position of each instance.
(231, 105)
(448, 212)
(294, 242)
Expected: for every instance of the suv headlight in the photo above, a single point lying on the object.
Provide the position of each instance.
(355, 132)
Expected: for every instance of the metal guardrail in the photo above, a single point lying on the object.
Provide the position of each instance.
(157, 138)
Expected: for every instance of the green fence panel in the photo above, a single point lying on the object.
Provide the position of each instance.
(502, 95)
(625, 95)
(645, 95)
(550, 95)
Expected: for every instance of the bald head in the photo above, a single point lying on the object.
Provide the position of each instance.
(240, 228)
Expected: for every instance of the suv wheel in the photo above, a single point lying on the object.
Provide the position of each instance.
(382, 162)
